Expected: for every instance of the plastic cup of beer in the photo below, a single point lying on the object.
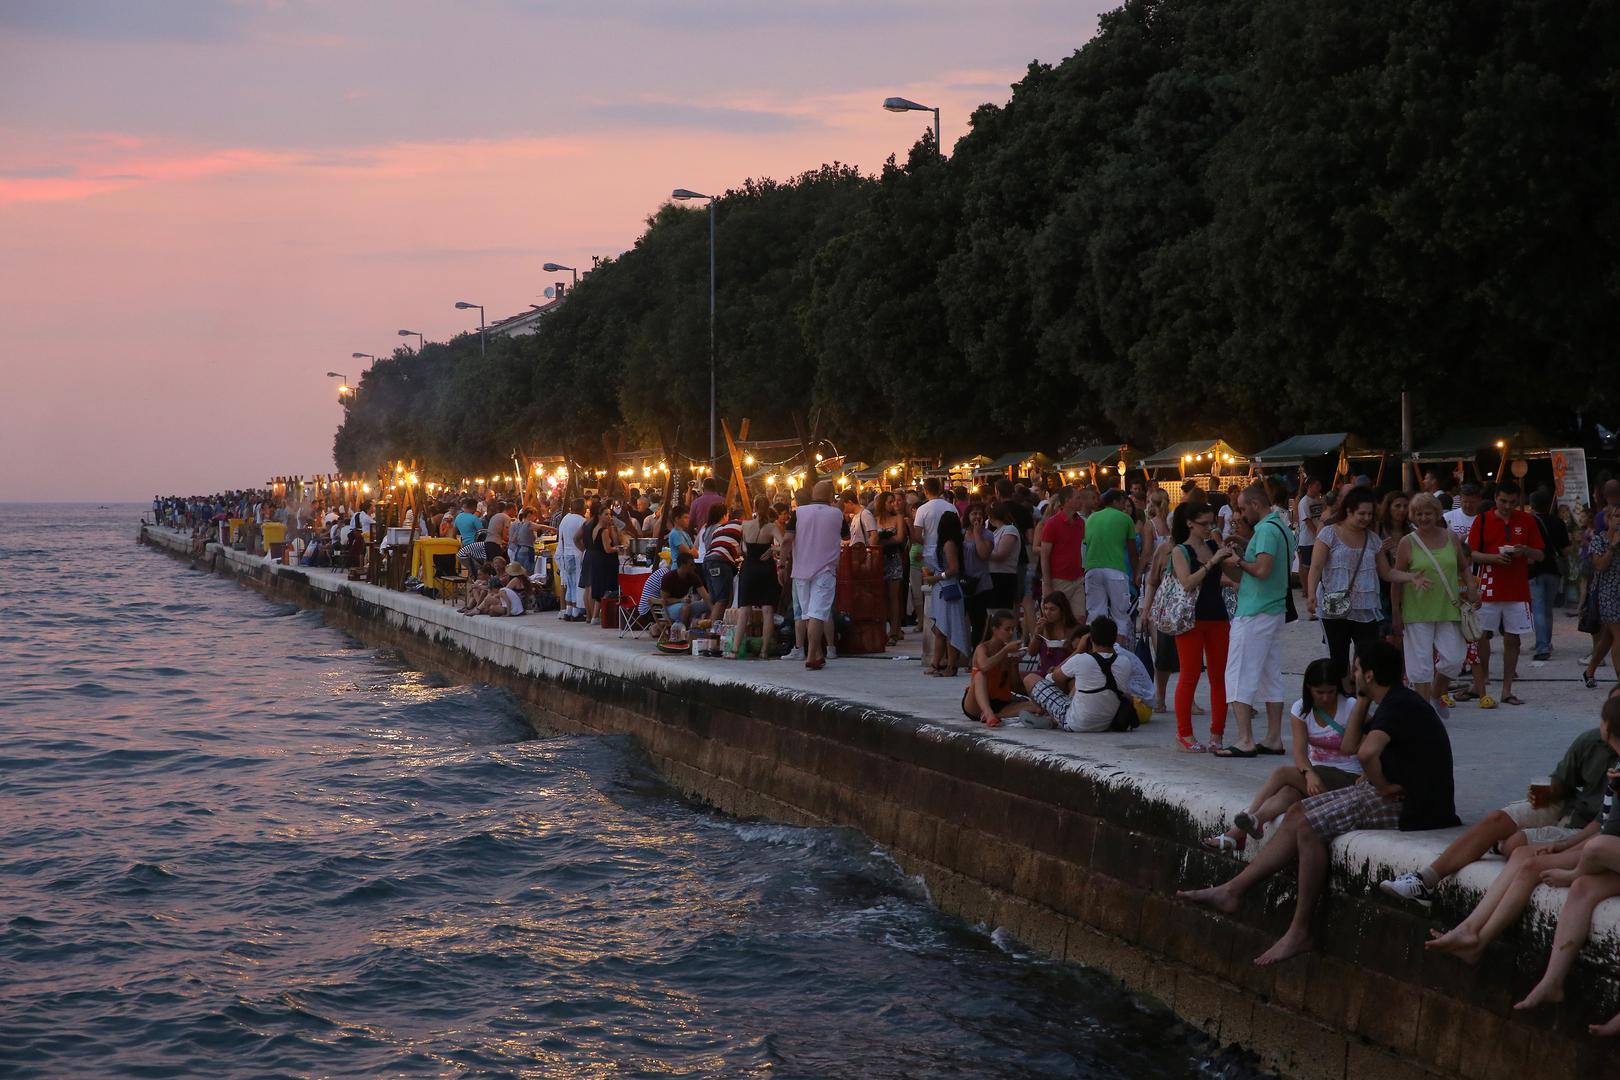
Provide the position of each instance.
(1541, 793)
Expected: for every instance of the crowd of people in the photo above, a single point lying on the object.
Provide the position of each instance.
(1073, 607)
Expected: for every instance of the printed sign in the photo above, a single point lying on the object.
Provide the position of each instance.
(1570, 484)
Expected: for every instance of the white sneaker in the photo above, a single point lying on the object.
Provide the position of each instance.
(1409, 887)
(832, 653)
(795, 653)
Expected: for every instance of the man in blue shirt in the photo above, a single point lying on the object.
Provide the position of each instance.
(468, 522)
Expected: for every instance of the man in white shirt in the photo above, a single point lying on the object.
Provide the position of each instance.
(927, 520)
(1307, 519)
(1460, 518)
(569, 555)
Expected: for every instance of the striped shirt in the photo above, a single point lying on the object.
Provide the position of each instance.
(724, 541)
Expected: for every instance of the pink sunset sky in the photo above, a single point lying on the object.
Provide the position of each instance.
(205, 205)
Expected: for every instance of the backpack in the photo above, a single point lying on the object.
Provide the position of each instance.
(1125, 717)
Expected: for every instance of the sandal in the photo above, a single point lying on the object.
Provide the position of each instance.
(1462, 695)
(1486, 701)
(1589, 679)
(1262, 748)
(1232, 751)
(1512, 699)
(1190, 744)
(1245, 821)
(1224, 844)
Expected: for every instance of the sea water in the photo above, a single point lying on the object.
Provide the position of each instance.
(238, 843)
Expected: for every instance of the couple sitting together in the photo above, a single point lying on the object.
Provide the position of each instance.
(1098, 687)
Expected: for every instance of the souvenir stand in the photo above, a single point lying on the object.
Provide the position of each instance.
(1211, 463)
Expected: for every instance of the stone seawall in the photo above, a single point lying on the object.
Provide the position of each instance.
(1074, 856)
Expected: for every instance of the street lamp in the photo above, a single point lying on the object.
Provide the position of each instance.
(421, 342)
(682, 195)
(362, 356)
(552, 268)
(344, 389)
(900, 104)
(462, 305)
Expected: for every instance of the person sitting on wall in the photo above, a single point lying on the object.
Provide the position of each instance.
(488, 580)
(1406, 783)
(1093, 689)
(1531, 864)
(990, 696)
(1546, 818)
(508, 598)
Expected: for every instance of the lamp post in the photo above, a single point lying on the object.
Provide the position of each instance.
(552, 268)
(345, 391)
(462, 305)
(682, 195)
(900, 104)
(362, 356)
(421, 342)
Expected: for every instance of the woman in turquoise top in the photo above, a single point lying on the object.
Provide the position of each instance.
(1439, 579)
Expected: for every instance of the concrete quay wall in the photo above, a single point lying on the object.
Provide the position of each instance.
(1076, 857)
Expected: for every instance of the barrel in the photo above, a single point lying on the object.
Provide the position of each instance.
(862, 595)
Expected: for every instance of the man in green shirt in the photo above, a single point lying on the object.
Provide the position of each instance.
(1109, 567)
(1254, 656)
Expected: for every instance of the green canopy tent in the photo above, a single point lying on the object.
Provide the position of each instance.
(1093, 462)
(1468, 446)
(1205, 459)
(1014, 464)
(1296, 452)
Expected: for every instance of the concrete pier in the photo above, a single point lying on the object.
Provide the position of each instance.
(1073, 843)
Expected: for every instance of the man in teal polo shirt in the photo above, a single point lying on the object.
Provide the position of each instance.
(1254, 657)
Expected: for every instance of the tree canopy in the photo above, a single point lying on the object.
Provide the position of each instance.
(1244, 217)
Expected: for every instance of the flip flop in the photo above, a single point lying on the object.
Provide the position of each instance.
(1262, 748)
(1512, 699)
(1232, 751)
(1245, 821)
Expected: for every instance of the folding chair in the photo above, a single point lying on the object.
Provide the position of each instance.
(631, 617)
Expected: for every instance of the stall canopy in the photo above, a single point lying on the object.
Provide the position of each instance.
(958, 468)
(1197, 456)
(883, 468)
(1459, 444)
(1025, 461)
(1096, 457)
(1302, 448)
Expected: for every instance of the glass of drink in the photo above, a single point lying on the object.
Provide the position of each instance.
(1541, 793)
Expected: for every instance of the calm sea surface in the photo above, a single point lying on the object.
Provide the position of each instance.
(240, 844)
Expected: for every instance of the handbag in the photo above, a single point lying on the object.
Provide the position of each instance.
(1336, 604)
(1174, 608)
(949, 590)
(1467, 614)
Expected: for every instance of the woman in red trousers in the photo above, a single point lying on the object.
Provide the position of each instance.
(1196, 561)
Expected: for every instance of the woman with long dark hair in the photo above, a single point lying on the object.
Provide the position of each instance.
(1196, 560)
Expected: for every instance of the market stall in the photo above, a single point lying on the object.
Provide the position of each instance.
(1210, 463)
(1483, 454)
(1104, 464)
(1329, 456)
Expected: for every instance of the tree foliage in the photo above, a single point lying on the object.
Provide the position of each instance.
(1250, 217)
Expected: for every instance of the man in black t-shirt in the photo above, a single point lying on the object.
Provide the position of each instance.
(1406, 783)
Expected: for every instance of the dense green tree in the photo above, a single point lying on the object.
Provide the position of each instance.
(1251, 217)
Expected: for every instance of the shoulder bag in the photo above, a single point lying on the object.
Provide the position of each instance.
(1336, 604)
(1174, 609)
(1467, 614)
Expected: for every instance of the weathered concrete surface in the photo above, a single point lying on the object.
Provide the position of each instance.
(1073, 843)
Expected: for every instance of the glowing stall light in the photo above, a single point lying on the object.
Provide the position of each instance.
(748, 459)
